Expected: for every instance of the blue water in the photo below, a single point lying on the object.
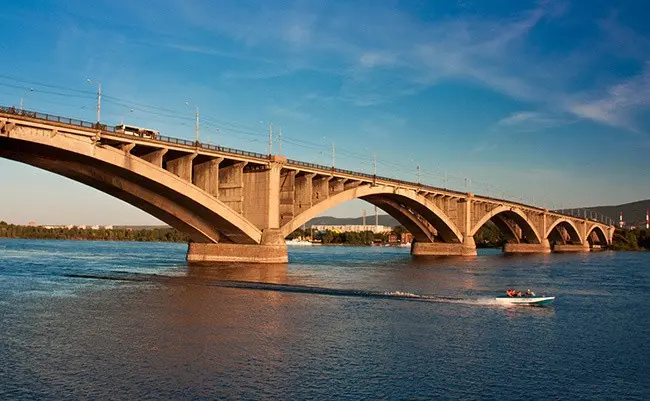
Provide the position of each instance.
(133, 321)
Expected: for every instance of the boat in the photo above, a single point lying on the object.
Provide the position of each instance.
(298, 242)
(525, 301)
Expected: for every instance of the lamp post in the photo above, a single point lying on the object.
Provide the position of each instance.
(417, 169)
(99, 98)
(374, 166)
(324, 138)
(23, 97)
(196, 125)
(123, 115)
(374, 161)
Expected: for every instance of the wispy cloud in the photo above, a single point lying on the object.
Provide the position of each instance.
(383, 54)
(618, 105)
(528, 121)
(290, 112)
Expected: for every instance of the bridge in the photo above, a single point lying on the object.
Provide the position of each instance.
(238, 206)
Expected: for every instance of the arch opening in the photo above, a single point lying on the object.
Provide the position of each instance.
(596, 236)
(420, 216)
(564, 232)
(512, 223)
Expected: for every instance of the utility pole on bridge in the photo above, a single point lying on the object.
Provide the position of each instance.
(99, 99)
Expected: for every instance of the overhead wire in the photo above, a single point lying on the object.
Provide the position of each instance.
(239, 130)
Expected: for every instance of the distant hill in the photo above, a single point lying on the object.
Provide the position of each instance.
(384, 220)
(633, 213)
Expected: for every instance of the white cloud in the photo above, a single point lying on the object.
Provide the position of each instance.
(362, 44)
(532, 121)
(618, 105)
(373, 59)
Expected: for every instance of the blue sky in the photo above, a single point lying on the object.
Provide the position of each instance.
(545, 100)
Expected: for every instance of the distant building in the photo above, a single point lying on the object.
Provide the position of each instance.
(352, 228)
(406, 237)
(108, 227)
(32, 224)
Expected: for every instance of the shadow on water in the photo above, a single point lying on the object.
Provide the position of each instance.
(268, 273)
(273, 277)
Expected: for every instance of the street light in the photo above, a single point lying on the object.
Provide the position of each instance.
(333, 150)
(417, 168)
(271, 137)
(374, 161)
(196, 126)
(99, 98)
(123, 115)
(23, 97)
(374, 166)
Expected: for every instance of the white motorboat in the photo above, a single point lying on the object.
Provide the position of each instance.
(525, 301)
(298, 242)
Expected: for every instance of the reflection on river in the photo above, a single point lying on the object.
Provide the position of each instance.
(132, 320)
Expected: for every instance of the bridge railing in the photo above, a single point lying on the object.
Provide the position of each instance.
(55, 118)
(239, 152)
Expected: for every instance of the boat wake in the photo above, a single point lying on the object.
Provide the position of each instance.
(291, 288)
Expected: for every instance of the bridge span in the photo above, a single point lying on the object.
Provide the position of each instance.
(238, 206)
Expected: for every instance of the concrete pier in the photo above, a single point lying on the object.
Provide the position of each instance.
(571, 248)
(544, 247)
(236, 253)
(441, 249)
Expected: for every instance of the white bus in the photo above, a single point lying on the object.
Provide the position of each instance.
(138, 131)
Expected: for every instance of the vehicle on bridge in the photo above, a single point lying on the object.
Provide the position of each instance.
(137, 131)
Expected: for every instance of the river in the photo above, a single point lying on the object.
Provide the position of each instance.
(122, 320)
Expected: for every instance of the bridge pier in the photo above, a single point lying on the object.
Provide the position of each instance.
(273, 249)
(544, 247)
(236, 253)
(571, 247)
(467, 248)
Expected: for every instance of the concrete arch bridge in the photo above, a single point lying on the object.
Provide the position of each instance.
(239, 206)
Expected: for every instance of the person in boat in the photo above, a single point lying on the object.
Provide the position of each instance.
(529, 293)
(518, 293)
(511, 292)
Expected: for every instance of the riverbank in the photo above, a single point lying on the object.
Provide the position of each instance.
(624, 240)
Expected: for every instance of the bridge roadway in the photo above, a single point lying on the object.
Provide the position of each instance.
(238, 206)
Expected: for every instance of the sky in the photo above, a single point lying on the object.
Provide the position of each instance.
(541, 101)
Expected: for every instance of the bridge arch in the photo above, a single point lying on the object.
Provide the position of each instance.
(569, 226)
(527, 228)
(133, 180)
(414, 211)
(600, 234)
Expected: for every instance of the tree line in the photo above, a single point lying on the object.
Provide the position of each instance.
(162, 234)
(488, 236)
